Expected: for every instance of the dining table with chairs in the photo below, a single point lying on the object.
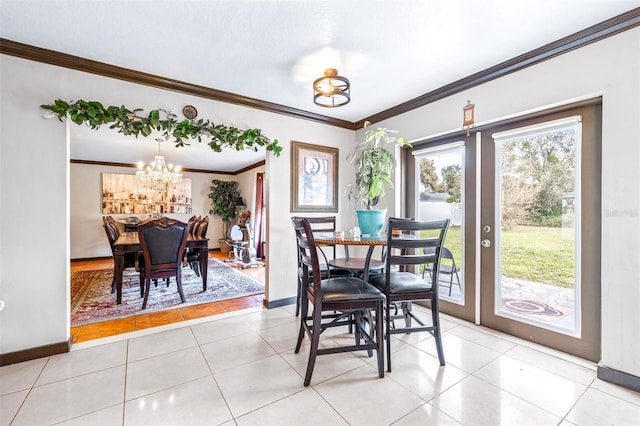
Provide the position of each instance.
(370, 303)
(129, 242)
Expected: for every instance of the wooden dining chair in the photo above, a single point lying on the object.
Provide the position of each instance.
(162, 241)
(193, 256)
(418, 243)
(321, 224)
(349, 300)
(113, 233)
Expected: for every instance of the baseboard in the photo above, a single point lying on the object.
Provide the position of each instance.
(270, 304)
(35, 353)
(619, 378)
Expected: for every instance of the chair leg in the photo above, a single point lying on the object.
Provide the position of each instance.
(313, 350)
(380, 338)
(196, 268)
(147, 288)
(304, 308)
(388, 336)
(450, 284)
(437, 335)
(179, 282)
(113, 283)
(142, 279)
(298, 296)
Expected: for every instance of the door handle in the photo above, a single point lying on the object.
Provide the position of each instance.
(485, 243)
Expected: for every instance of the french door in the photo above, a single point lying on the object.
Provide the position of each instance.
(529, 250)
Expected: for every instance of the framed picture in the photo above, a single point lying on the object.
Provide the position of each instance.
(125, 194)
(314, 176)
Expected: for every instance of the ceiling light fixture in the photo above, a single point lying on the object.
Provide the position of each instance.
(331, 90)
(158, 176)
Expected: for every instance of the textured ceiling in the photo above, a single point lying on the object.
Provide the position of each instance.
(392, 51)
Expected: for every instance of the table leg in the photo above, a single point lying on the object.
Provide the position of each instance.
(204, 266)
(119, 267)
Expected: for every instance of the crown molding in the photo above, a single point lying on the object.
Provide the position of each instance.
(52, 57)
(615, 25)
(610, 27)
(183, 170)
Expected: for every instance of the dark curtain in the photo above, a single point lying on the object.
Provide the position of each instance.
(259, 215)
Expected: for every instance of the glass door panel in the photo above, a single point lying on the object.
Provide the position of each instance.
(440, 176)
(536, 181)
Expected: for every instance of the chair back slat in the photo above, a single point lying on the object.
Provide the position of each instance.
(415, 243)
(308, 254)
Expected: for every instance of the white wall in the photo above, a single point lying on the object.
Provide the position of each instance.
(610, 68)
(88, 238)
(35, 195)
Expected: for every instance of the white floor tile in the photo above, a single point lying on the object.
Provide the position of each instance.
(426, 415)
(599, 408)
(362, 398)
(269, 318)
(281, 337)
(106, 417)
(10, 404)
(67, 399)
(220, 329)
(160, 343)
(304, 408)
(232, 352)
(475, 402)
(461, 353)
(617, 391)
(422, 374)
(477, 336)
(161, 372)
(326, 366)
(526, 381)
(552, 364)
(194, 403)
(256, 384)
(76, 363)
(241, 370)
(20, 376)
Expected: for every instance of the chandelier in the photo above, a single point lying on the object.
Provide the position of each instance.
(159, 176)
(331, 90)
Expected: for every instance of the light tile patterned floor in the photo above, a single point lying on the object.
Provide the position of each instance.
(240, 368)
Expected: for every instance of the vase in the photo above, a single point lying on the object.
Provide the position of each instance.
(370, 222)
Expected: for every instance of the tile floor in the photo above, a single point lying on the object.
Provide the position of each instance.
(239, 368)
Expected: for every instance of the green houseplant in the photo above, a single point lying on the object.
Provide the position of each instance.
(224, 198)
(374, 164)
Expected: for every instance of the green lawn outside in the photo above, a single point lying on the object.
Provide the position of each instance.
(539, 254)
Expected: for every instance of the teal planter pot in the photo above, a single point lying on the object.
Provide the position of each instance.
(371, 222)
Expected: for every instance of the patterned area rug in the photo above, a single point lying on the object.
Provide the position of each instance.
(92, 300)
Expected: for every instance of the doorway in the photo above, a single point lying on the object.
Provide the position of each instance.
(529, 241)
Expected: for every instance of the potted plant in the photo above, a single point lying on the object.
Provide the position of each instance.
(224, 197)
(374, 164)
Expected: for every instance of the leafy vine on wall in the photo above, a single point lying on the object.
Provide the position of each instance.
(129, 122)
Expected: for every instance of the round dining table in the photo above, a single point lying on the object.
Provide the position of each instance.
(356, 264)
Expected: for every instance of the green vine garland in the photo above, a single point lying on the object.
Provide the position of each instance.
(128, 122)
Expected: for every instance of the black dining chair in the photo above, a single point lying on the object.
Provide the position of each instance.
(113, 233)
(350, 300)
(321, 224)
(193, 256)
(162, 241)
(418, 243)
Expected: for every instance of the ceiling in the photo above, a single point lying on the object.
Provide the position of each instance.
(392, 51)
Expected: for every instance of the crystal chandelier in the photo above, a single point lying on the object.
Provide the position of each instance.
(158, 176)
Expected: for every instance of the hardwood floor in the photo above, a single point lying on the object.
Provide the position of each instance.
(144, 320)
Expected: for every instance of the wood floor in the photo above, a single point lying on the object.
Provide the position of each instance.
(144, 320)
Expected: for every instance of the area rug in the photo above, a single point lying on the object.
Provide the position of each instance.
(92, 300)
